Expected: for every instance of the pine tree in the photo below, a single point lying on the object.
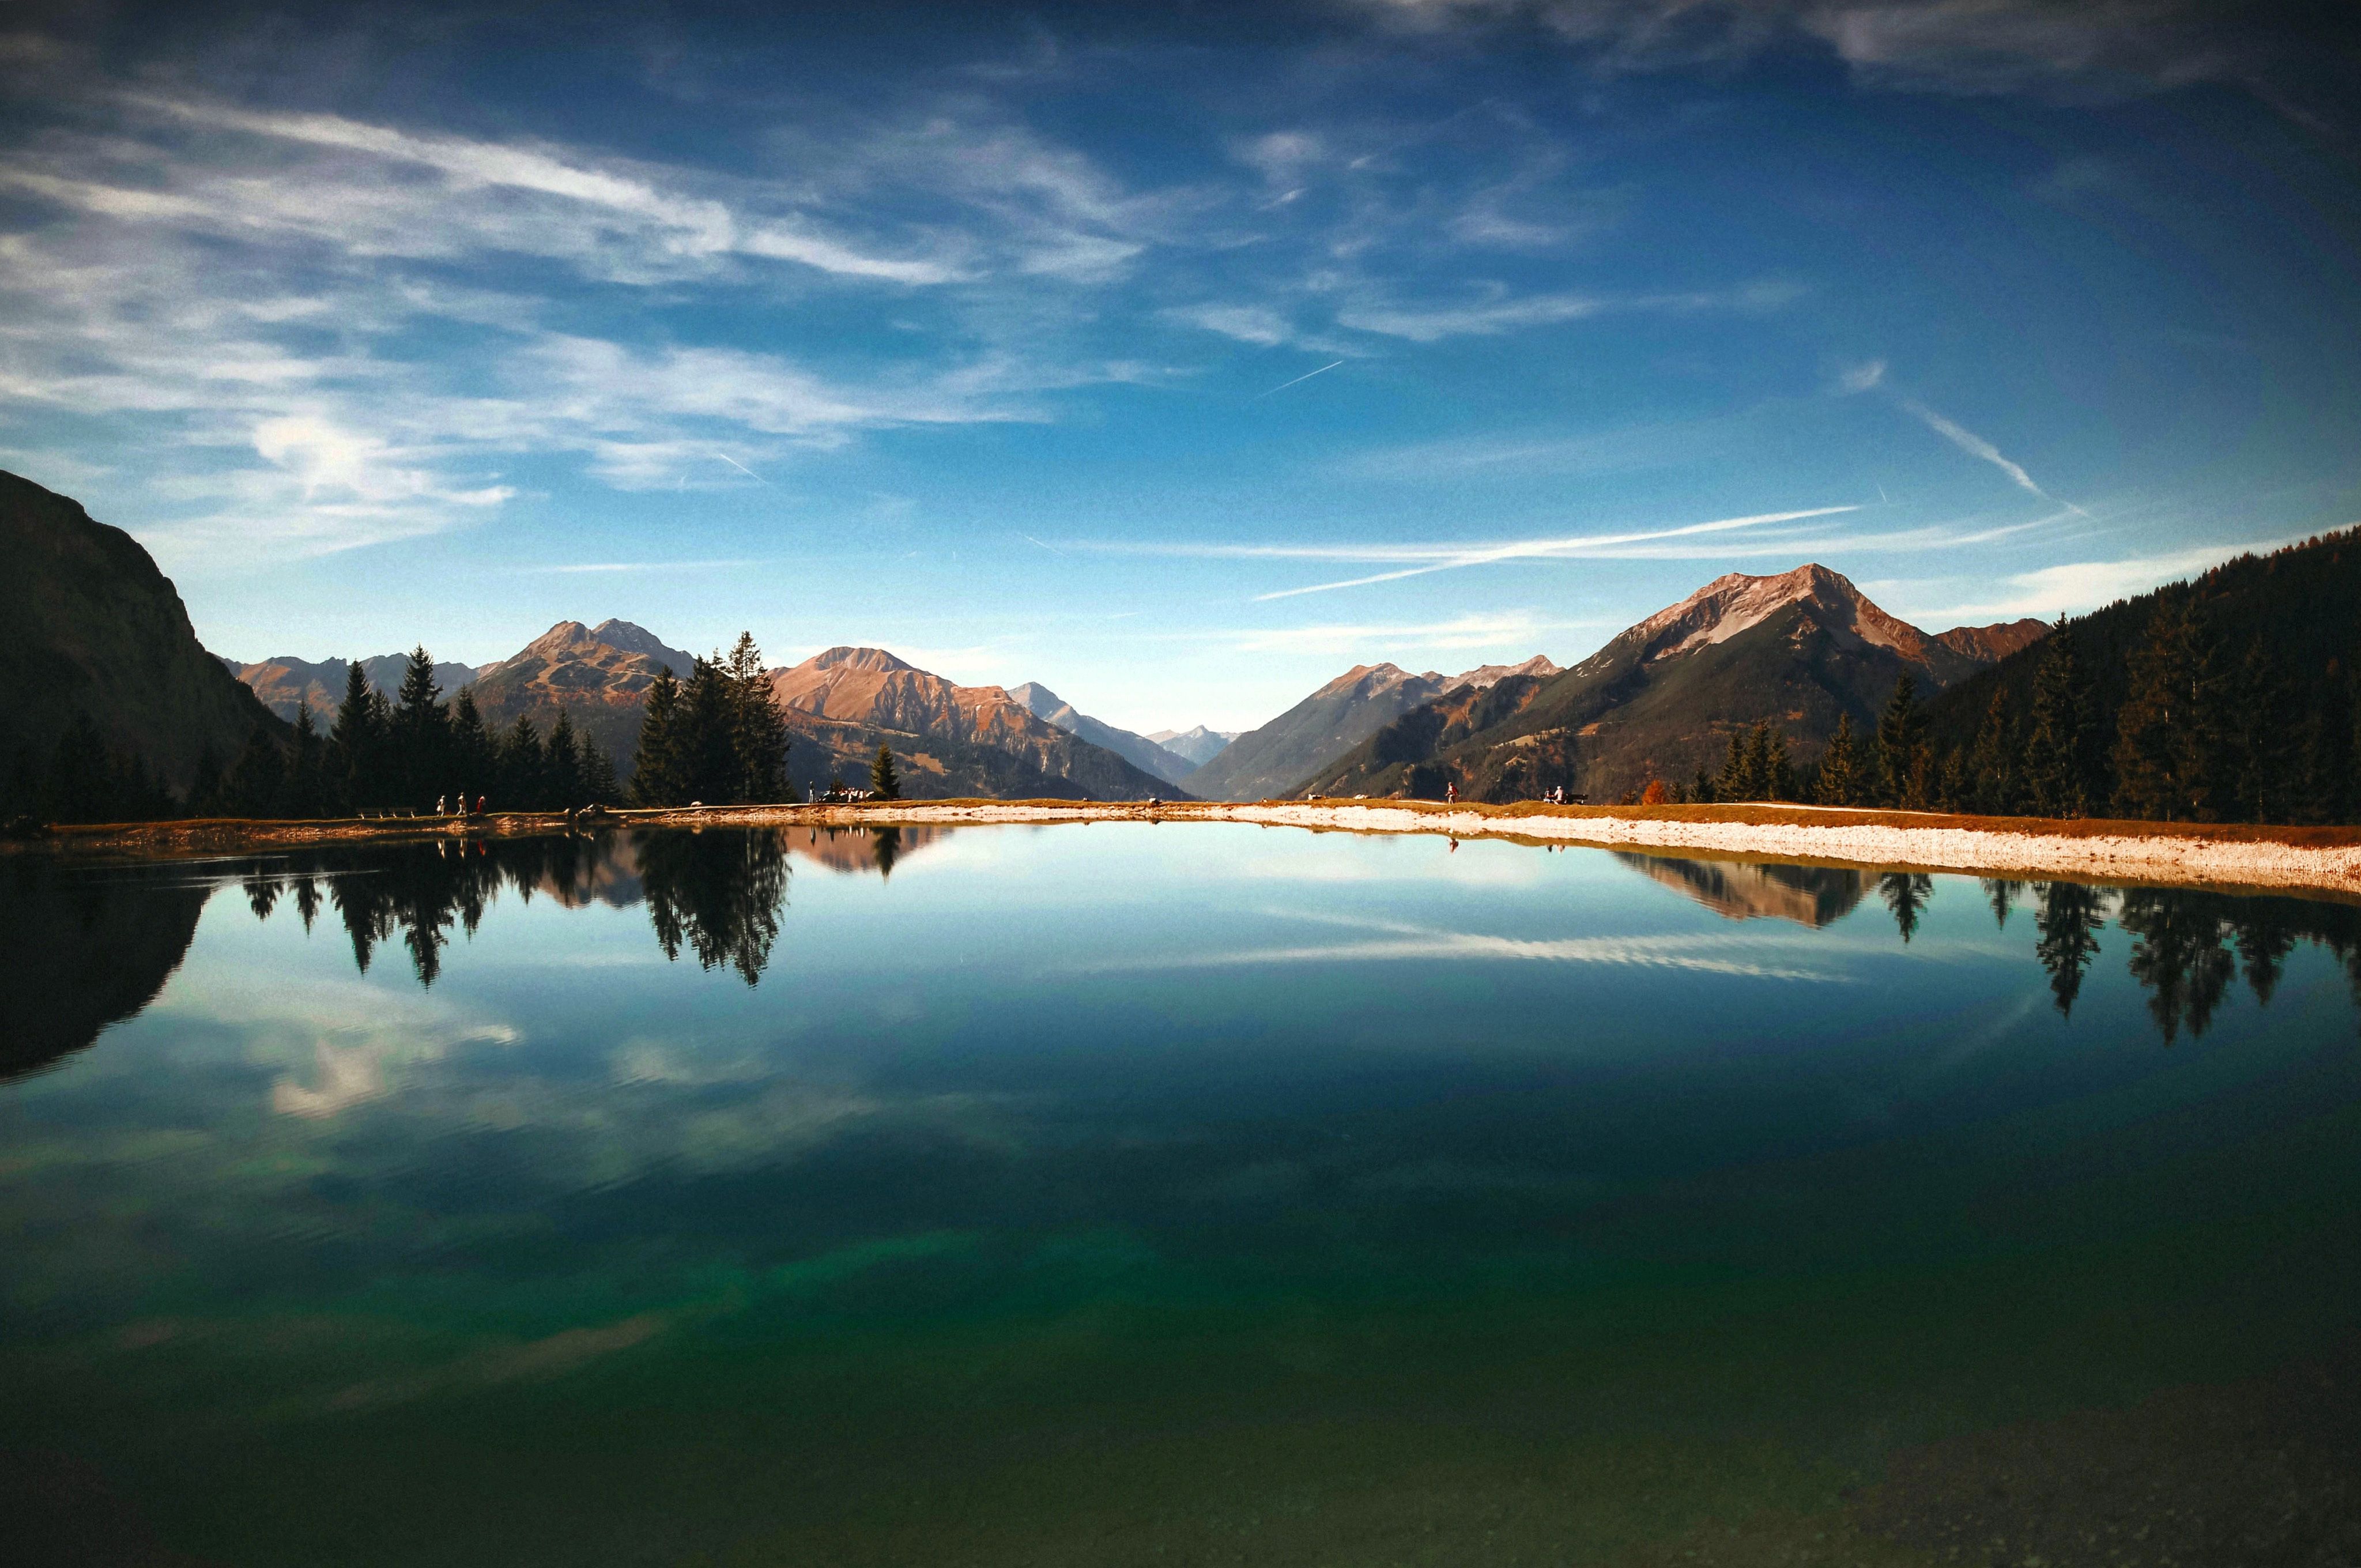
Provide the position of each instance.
(599, 785)
(1735, 782)
(707, 730)
(1903, 774)
(881, 776)
(1778, 770)
(758, 737)
(2057, 742)
(655, 766)
(1838, 780)
(257, 777)
(2326, 748)
(304, 763)
(1991, 785)
(472, 747)
(522, 784)
(1954, 783)
(2167, 749)
(421, 731)
(352, 745)
(1701, 789)
(561, 765)
(2255, 769)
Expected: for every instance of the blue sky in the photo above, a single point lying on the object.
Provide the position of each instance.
(1176, 357)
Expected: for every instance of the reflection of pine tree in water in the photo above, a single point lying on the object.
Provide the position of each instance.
(2003, 896)
(2179, 955)
(2070, 918)
(721, 892)
(1906, 894)
(2266, 937)
(888, 846)
(417, 891)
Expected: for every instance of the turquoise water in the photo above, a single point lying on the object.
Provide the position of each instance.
(1182, 1193)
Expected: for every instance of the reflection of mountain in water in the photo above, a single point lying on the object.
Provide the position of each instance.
(84, 949)
(1743, 890)
(860, 850)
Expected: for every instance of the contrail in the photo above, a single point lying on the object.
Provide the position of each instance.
(741, 467)
(1051, 548)
(1975, 445)
(1557, 549)
(1297, 382)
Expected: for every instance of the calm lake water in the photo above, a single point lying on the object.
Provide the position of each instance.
(1192, 1193)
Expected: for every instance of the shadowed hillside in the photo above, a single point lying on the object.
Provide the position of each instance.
(98, 632)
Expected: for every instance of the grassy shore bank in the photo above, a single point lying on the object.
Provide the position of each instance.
(2222, 855)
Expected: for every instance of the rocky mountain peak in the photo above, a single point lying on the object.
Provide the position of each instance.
(1735, 602)
(1486, 675)
(875, 661)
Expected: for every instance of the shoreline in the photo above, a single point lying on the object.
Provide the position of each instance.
(2229, 856)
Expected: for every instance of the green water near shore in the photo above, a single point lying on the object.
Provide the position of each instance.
(1164, 1194)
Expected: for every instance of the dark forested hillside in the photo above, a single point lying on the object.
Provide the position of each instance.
(112, 699)
(2227, 698)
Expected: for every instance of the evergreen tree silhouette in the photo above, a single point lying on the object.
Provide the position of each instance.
(1907, 894)
(656, 773)
(562, 766)
(2168, 739)
(2069, 917)
(881, 776)
(1840, 779)
(2057, 737)
(1904, 769)
(352, 745)
(420, 732)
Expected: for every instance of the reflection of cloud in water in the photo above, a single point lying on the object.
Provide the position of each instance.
(353, 1041)
(345, 1075)
(1402, 943)
(1746, 890)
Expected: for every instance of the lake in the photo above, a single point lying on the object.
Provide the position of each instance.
(1185, 1193)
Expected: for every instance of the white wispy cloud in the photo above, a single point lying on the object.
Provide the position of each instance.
(2078, 585)
(1501, 311)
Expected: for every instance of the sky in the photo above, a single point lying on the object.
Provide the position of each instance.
(1175, 356)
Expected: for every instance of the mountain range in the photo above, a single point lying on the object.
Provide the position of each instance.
(1140, 750)
(105, 635)
(1277, 758)
(1663, 698)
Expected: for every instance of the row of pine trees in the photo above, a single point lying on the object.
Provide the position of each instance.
(718, 737)
(2201, 736)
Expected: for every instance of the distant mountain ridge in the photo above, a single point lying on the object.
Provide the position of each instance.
(1661, 699)
(1195, 746)
(870, 690)
(1277, 758)
(1137, 750)
(286, 681)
